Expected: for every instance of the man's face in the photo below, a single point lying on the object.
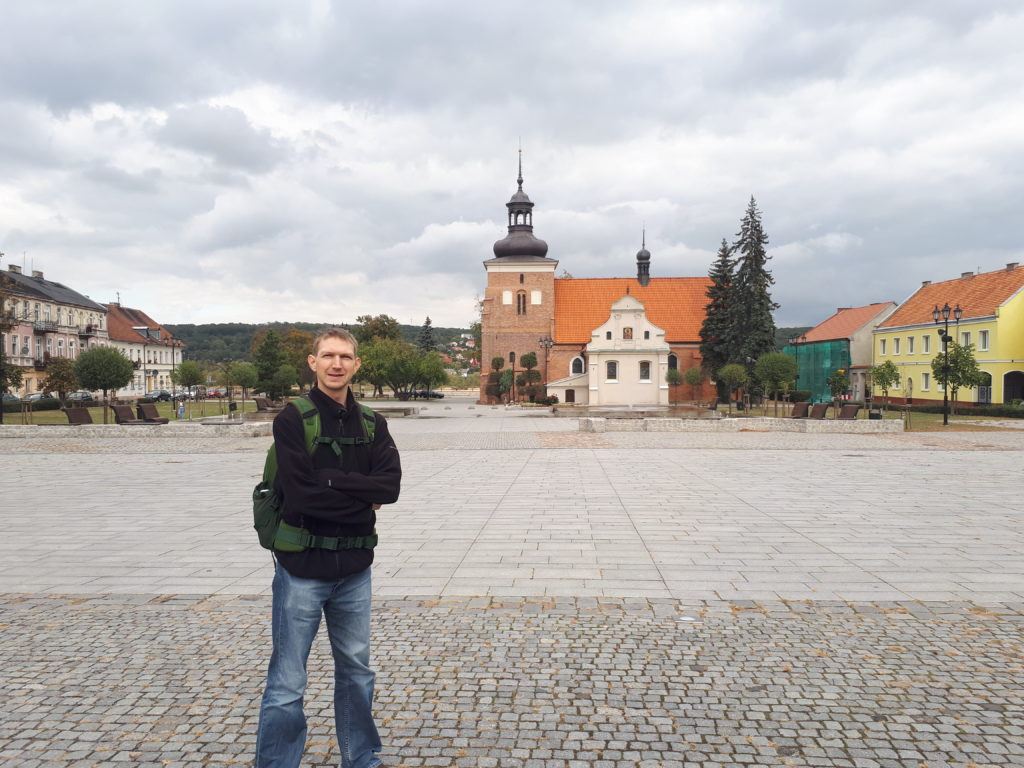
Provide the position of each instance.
(334, 364)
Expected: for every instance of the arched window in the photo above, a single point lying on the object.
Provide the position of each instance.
(511, 358)
(645, 370)
(521, 303)
(673, 363)
(611, 371)
(578, 366)
(522, 278)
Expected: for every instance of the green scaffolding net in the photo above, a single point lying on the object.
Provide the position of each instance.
(815, 362)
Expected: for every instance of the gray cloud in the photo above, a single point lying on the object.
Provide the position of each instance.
(223, 134)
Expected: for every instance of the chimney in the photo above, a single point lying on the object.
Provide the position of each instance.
(37, 274)
(925, 283)
(14, 268)
(842, 309)
(966, 274)
(1011, 266)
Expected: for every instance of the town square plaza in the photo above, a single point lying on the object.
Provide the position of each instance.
(544, 598)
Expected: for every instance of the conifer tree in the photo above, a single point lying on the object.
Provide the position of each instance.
(753, 327)
(425, 341)
(716, 331)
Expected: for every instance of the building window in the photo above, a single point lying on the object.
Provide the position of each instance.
(645, 370)
(535, 298)
(647, 335)
(673, 363)
(881, 346)
(627, 334)
(608, 335)
(926, 381)
(896, 346)
(926, 344)
(506, 297)
(522, 278)
(965, 338)
(910, 345)
(511, 358)
(578, 366)
(521, 303)
(983, 341)
(611, 371)
(49, 346)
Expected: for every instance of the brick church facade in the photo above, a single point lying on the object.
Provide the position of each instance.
(526, 308)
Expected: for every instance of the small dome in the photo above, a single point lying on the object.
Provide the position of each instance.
(643, 255)
(520, 197)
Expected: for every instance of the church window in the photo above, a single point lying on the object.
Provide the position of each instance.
(608, 335)
(627, 333)
(522, 279)
(647, 335)
(673, 363)
(612, 371)
(506, 297)
(645, 370)
(578, 366)
(535, 298)
(521, 303)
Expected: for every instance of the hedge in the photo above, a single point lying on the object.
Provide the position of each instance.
(46, 404)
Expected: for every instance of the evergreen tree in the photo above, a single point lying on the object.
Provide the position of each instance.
(716, 332)
(268, 356)
(753, 327)
(425, 341)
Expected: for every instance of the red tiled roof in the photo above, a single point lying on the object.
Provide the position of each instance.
(846, 322)
(121, 320)
(673, 303)
(978, 296)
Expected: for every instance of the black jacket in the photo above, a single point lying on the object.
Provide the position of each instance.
(331, 496)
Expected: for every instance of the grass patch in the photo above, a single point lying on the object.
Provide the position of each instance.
(167, 410)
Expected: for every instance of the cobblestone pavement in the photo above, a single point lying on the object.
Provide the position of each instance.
(543, 683)
(545, 599)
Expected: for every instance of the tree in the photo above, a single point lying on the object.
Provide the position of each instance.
(694, 377)
(529, 378)
(372, 327)
(103, 368)
(885, 377)
(268, 356)
(60, 377)
(963, 369)
(244, 375)
(775, 371)
(372, 369)
(425, 341)
(494, 377)
(716, 332)
(838, 384)
(391, 363)
(297, 346)
(733, 376)
(188, 374)
(673, 378)
(505, 382)
(281, 383)
(753, 328)
(10, 374)
(431, 371)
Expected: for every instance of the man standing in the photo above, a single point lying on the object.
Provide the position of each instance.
(333, 493)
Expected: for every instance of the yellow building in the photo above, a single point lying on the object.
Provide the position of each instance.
(992, 319)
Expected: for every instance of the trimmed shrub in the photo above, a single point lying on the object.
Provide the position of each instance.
(46, 404)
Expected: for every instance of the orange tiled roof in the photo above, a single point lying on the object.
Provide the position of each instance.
(673, 303)
(120, 322)
(978, 296)
(846, 322)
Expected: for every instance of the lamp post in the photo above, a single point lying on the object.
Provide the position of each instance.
(546, 343)
(941, 316)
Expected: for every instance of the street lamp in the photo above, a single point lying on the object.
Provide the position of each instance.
(546, 342)
(941, 316)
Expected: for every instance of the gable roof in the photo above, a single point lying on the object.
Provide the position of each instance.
(121, 322)
(676, 304)
(48, 290)
(978, 296)
(846, 322)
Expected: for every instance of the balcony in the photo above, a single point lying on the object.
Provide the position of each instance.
(44, 326)
(40, 364)
(89, 330)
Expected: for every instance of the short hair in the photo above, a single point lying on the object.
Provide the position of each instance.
(336, 333)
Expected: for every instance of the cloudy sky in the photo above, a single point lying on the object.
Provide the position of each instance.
(253, 161)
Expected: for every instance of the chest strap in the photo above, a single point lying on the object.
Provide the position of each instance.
(300, 537)
(337, 442)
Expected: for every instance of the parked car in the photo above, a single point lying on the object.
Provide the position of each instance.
(35, 397)
(424, 394)
(81, 397)
(216, 392)
(159, 394)
(9, 398)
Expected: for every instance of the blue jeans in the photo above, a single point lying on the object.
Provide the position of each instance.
(298, 605)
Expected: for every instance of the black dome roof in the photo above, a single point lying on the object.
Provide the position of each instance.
(520, 242)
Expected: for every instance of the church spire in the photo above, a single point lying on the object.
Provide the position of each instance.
(643, 261)
(520, 240)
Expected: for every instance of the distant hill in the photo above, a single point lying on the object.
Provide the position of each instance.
(783, 335)
(217, 342)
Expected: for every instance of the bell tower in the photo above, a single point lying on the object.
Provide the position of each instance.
(518, 307)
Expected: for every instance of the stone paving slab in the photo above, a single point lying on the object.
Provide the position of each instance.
(148, 680)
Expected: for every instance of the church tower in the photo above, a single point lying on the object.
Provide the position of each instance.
(518, 307)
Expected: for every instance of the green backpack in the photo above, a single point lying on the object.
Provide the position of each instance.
(268, 519)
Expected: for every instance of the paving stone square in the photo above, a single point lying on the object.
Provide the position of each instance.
(543, 598)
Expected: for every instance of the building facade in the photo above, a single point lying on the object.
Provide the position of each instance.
(992, 320)
(525, 308)
(152, 349)
(48, 320)
(843, 341)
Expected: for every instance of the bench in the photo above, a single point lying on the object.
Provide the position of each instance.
(123, 415)
(78, 416)
(148, 413)
(818, 410)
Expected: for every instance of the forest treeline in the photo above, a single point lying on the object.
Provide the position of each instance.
(220, 342)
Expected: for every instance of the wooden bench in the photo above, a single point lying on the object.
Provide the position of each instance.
(818, 410)
(800, 410)
(78, 416)
(148, 413)
(848, 412)
(123, 415)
